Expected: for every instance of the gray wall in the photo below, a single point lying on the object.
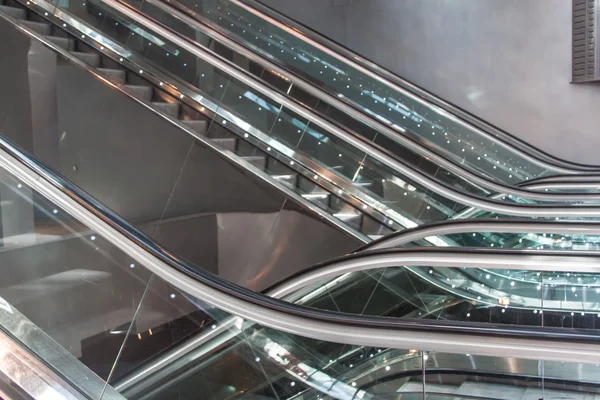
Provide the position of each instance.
(506, 61)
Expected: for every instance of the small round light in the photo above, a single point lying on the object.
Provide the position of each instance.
(172, 295)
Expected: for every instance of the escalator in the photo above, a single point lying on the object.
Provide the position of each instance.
(176, 165)
(169, 223)
(352, 82)
(357, 186)
(254, 346)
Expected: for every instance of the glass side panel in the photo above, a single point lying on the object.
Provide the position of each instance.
(397, 108)
(517, 297)
(281, 83)
(68, 280)
(403, 201)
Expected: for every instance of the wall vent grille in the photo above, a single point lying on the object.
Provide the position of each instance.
(585, 61)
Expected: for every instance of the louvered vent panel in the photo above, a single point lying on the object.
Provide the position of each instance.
(585, 38)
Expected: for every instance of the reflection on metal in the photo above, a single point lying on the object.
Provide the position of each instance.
(319, 93)
(586, 33)
(443, 257)
(484, 225)
(24, 363)
(403, 169)
(351, 138)
(209, 107)
(322, 325)
(20, 372)
(396, 83)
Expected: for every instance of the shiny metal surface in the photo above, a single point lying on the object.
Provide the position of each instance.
(470, 88)
(22, 373)
(516, 210)
(482, 258)
(401, 168)
(25, 353)
(398, 166)
(338, 186)
(469, 118)
(161, 170)
(314, 324)
(319, 93)
(496, 137)
(483, 225)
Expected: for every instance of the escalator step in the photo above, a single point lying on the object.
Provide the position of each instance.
(290, 180)
(199, 125)
(90, 59)
(171, 109)
(63, 42)
(143, 92)
(115, 75)
(17, 13)
(321, 200)
(39, 27)
(227, 143)
(259, 162)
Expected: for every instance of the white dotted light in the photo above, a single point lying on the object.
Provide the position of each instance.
(55, 211)
(92, 237)
(132, 266)
(19, 186)
(257, 359)
(172, 295)
(353, 383)
(387, 368)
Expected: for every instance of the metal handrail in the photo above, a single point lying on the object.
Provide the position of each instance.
(399, 84)
(484, 339)
(488, 225)
(199, 23)
(434, 185)
(359, 142)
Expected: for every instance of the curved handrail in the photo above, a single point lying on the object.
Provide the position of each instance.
(490, 225)
(399, 84)
(485, 339)
(505, 259)
(359, 142)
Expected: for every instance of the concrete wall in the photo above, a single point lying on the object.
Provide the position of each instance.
(506, 61)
